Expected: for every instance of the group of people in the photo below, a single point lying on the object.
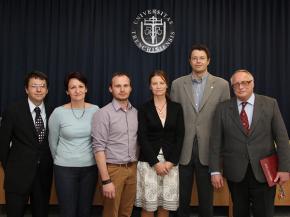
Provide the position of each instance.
(147, 158)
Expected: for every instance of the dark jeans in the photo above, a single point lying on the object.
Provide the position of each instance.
(75, 187)
(203, 183)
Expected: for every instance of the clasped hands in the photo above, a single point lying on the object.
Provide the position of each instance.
(163, 168)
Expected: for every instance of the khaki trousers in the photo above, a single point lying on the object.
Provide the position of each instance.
(124, 179)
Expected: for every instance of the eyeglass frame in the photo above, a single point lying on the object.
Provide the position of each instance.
(35, 86)
(199, 59)
(244, 83)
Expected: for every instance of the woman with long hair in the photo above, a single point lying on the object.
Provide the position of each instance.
(160, 135)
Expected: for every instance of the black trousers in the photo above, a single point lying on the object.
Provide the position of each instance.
(39, 196)
(203, 182)
(249, 194)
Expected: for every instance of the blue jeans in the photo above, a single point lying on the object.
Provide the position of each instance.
(75, 188)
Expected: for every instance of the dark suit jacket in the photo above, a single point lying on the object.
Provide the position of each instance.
(232, 149)
(26, 154)
(152, 136)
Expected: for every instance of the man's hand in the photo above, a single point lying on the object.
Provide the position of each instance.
(282, 177)
(109, 190)
(217, 181)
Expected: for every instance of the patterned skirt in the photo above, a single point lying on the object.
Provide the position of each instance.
(154, 191)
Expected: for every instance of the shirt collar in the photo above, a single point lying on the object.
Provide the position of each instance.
(117, 105)
(250, 101)
(194, 78)
(32, 106)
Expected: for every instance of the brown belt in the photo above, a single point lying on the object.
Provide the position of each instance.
(129, 164)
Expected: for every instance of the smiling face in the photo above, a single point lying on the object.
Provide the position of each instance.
(158, 86)
(120, 87)
(199, 61)
(76, 90)
(243, 85)
(36, 90)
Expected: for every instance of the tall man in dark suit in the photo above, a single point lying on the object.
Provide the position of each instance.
(25, 154)
(198, 93)
(247, 128)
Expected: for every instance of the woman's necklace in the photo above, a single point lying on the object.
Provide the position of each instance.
(161, 110)
(84, 110)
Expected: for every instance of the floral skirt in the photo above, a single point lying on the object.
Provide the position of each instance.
(154, 191)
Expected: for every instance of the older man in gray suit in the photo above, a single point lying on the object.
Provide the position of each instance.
(247, 128)
(199, 93)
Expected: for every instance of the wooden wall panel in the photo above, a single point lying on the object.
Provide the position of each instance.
(221, 197)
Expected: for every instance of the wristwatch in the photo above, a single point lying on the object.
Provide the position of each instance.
(105, 182)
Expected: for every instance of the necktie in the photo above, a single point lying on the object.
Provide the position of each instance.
(244, 118)
(39, 125)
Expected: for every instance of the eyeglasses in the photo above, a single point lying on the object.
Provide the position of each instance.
(35, 86)
(242, 83)
(201, 59)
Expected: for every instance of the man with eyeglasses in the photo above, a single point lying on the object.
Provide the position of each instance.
(199, 93)
(248, 128)
(24, 150)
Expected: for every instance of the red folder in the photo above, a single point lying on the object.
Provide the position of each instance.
(270, 167)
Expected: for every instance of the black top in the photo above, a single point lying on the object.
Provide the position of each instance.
(152, 135)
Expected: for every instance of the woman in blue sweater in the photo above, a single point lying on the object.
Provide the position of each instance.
(75, 168)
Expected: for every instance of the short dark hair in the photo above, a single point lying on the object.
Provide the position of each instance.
(117, 74)
(35, 74)
(77, 75)
(200, 47)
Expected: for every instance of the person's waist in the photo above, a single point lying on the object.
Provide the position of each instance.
(121, 157)
(128, 164)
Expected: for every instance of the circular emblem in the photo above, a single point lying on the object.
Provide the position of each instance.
(153, 31)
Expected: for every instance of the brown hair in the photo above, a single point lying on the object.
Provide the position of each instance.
(35, 74)
(199, 47)
(117, 74)
(162, 74)
(77, 75)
